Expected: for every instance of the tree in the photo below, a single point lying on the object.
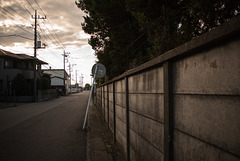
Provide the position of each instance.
(171, 23)
(22, 86)
(126, 33)
(112, 29)
(87, 87)
(44, 82)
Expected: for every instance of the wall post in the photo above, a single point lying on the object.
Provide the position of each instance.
(114, 113)
(101, 100)
(168, 113)
(104, 102)
(108, 105)
(127, 120)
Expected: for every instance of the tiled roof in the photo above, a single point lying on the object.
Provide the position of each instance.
(8, 54)
(4, 53)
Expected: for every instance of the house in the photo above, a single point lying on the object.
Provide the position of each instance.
(58, 80)
(13, 66)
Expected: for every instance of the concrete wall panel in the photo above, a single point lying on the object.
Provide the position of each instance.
(110, 106)
(134, 121)
(121, 113)
(187, 148)
(146, 152)
(152, 132)
(121, 126)
(111, 121)
(120, 99)
(110, 87)
(149, 105)
(110, 96)
(121, 133)
(147, 82)
(214, 119)
(120, 86)
(215, 71)
(133, 145)
(105, 92)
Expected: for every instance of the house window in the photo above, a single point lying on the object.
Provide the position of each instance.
(21, 65)
(8, 64)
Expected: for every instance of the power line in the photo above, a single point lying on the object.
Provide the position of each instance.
(14, 17)
(30, 5)
(24, 8)
(39, 6)
(50, 25)
(45, 35)
(16, 36)
(17, 13)
(52, 36)
(16, 24)
(136, 39)
(49, 35)
(7, 12)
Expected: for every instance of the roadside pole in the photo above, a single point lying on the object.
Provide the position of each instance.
(98, 71)
(94, 76)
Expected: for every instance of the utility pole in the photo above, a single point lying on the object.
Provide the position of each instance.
(35, 55)
(82, 80)
(76, 75)
(70, 77)
(64, 77)
(65, 54)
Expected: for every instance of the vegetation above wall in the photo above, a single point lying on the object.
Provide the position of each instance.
(127, 33)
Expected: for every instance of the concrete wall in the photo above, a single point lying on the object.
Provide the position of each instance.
(206, 89)
(182, 106)
(146, 115)
(47, 94)
(41, 96)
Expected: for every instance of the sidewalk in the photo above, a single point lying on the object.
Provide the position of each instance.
(100, 144)
(4, 105)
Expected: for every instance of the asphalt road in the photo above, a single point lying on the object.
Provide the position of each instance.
(44, 131)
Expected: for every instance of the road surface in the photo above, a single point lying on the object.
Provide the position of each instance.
(44, 131)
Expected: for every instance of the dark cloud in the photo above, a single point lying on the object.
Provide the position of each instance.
(65, 19)
(64, 16)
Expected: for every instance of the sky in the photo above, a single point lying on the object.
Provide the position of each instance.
(61, 31)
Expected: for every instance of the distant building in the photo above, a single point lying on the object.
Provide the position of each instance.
(12, 65)
(58, 81)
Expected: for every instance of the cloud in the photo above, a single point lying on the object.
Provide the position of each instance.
(83, 36)
(65, 18)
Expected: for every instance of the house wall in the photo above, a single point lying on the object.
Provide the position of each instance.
(8, 74)
(57, 82)
(183, 105)
(57, 77)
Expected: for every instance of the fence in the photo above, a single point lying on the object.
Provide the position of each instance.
(183, 105)
(47, 94)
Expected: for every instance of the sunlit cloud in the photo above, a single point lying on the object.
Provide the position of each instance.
(64, 33)
(83, 35)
